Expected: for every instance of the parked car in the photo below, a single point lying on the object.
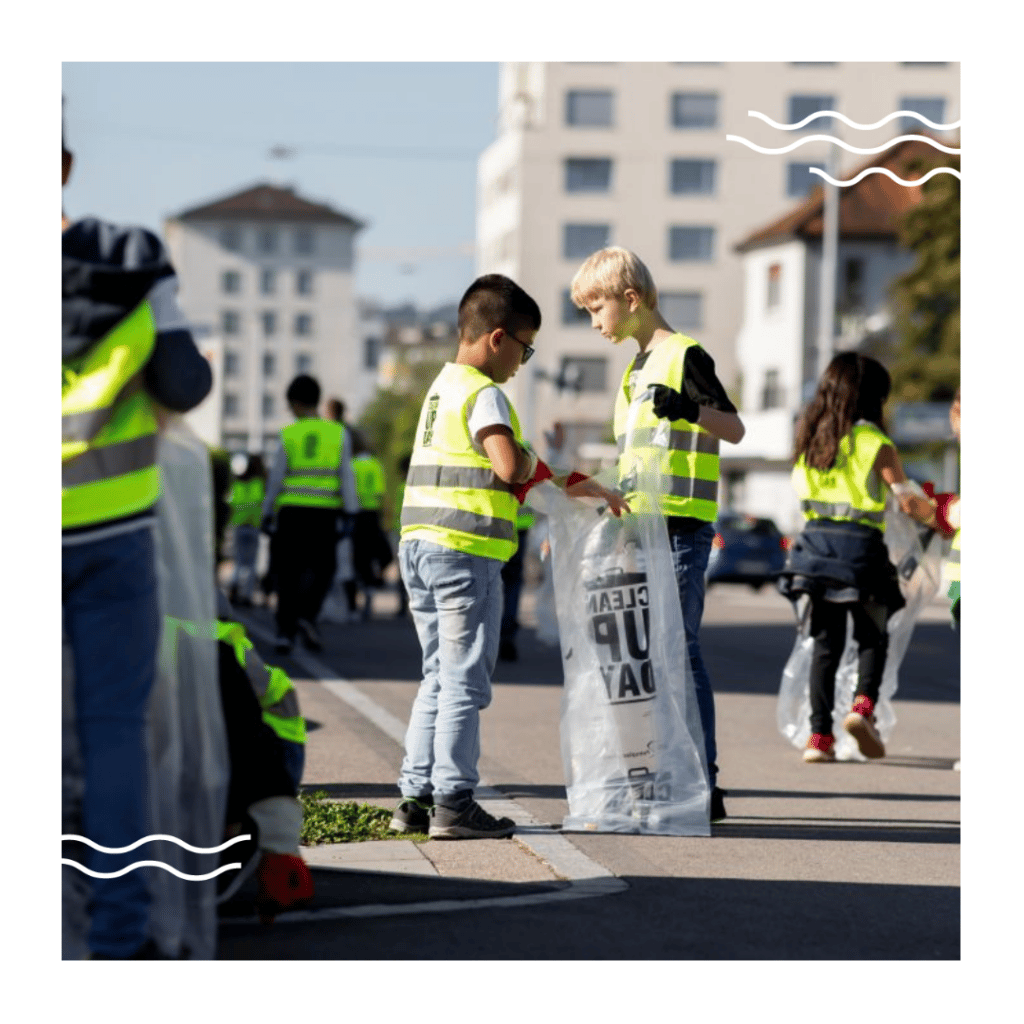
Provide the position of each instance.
(746, 549)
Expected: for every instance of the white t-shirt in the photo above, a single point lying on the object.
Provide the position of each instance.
(488, 408)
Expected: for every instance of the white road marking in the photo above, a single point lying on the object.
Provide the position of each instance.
(585, 877)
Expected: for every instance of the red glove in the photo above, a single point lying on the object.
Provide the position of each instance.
(575, 478)
(541, 473)
(943, 501)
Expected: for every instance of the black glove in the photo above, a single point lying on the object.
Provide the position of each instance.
(670, 404)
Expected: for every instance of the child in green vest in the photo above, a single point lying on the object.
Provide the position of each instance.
(615, 287)
(458, 530)
(246, 510)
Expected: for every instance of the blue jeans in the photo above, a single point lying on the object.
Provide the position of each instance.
(456, 602)
(111, 616)
(690, 552)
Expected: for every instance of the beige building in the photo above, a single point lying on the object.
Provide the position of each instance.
(270, 274)
(635, 154)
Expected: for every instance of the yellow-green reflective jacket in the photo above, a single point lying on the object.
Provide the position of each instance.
(369, 474)
(108, 427)
(678, 458)
(313, 447)
(246, 502)
(851, 491)
(453, 497)
(274, 690)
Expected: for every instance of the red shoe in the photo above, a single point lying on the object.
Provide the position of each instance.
(284, 883)
(820, 748)
(863, 705)
(860, 724)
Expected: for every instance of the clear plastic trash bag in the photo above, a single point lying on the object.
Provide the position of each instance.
(188, 751)
(918, 569)
(632, 745)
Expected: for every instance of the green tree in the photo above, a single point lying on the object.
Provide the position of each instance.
(926, 301)
(389, 422)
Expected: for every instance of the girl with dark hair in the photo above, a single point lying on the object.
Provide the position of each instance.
(844, 464)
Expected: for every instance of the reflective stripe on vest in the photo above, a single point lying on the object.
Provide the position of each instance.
(108, 427)
(313, 448)
(369, 474)
(452, 495)
(679, 459)
(850, 491)
(274, 690)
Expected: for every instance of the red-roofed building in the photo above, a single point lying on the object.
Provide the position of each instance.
(777, 343)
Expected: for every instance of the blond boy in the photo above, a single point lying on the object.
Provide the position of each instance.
(458, 530)
(678, 377)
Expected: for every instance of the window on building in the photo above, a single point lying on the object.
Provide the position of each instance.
(303, 325)
(801, 106)
(932, 107)
(303, 362)
(691, 243)
(682, 309)
(571, 315)
(231, 282)
(230, 404)
(589, 108)
(774, 285)
(692, 177)
(800, 181)
(269, 320)
(304, 282)
(266, 240)
(852, 294)
(268, 405)
(580, 240)
(305, 241)
(269, 364)
(585, 373)
(371, 353)
(232, 363)
(230, 322)
(588, 174)
(231, 238)
(695, 110)
(771, 391)
(268, 281)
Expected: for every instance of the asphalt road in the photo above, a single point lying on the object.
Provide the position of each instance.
(843, 861)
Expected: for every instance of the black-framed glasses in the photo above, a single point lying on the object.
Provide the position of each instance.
(527, 349)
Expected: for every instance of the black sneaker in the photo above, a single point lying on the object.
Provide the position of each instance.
(412, 815)
(472, 822)
(717, 804)
(310, 635)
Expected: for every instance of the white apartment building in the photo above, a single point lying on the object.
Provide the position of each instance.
(635, 154)
(270, 273)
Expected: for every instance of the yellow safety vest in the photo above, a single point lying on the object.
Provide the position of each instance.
(953, 569)
(851, 491)
(453, 497)
(679, 458)
(246, 502)
(108, 427)
(369, 474)
(313, 447)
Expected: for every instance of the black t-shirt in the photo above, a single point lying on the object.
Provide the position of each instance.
(701, 383)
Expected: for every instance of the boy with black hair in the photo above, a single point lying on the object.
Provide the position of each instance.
(458, 529)
(615, 287)
(310, 486)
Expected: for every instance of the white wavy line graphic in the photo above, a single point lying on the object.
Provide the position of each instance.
(886, 171)
(854, 124)
(150, 864)
(841, 144)
(149, 839)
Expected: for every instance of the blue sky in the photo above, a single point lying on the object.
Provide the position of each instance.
(393, 144)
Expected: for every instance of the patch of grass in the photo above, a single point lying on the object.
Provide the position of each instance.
(328, 821)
